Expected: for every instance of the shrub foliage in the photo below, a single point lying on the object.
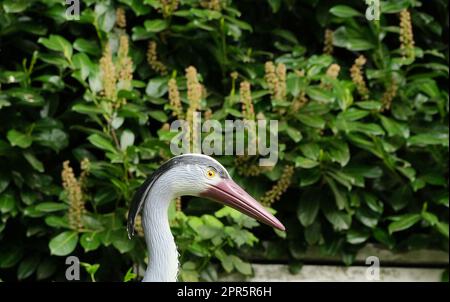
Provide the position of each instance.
(85, 105)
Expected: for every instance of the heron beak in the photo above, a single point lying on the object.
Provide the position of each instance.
(231, 194)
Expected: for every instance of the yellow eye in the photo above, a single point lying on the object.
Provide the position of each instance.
(210, 173)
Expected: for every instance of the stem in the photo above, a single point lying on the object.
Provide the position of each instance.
(111, 130)
(114, 136)
(380, 62)
(224, 47)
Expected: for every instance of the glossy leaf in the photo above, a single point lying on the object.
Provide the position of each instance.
(404, 222)
(64, 243)
(17, 138)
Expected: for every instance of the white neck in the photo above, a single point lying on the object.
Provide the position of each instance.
(162, 251)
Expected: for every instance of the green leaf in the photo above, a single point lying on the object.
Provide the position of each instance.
(54, 59)
(204, 231)
(4, 103)
(369, 105)
(351, 39)
(427, 139)
(33, 161)
(339, 152)
(275, 5)
(121, 241)
(58, 43)
(312, 121)
(241, 266)
(7, 202)
(393, 7)
(156, 25)
(313, 233)
(27, 267)
(188, 272)
(353, 114)
(400, 197)
(344, 11)
(129, 275)
(90, 241)
(10, 77)
(26, 96)
(159, 115)
(404, 222)
(295, 134)
(367, 217)
(320, 94)
(367, 128)
(443, 228)
(51, 207)
(308, 207)
(225, 260)
(87, 46)
(373, 203)
(295, 267)
(87, 109)
(196, 14)
(239, 23)
(15, 6)
(5, 148)
(106, 17)
(55, 139)
(294, 85)
(139, 33)
(4, 181)
(84, 65)
(394, 128)
(57, 222)
(444, 277)
(344, 96)
(383, 237)
(19, 139)
(310, 177)
(91, 269)
(340, 197)
(339, 219)
(311, 150)
(305, 163)
(430, 218)
(357, 236)
(126, 139)
(101, 142)
(45, 269)
(156, 87)
(91, 222)
(10, 255)
(212, 221)
(64, 243)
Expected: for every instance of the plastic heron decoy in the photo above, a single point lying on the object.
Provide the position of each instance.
(193, 175)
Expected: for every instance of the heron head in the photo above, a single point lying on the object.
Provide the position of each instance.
(201, 175)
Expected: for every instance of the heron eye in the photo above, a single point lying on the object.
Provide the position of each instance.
(210, 173)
